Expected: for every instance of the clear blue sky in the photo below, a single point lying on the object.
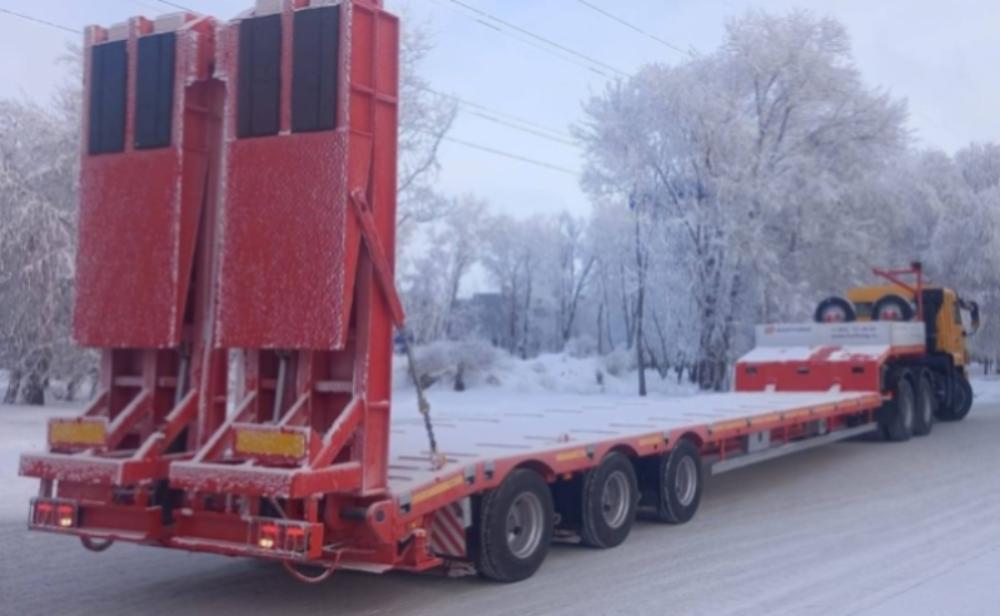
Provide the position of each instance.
(942, 57)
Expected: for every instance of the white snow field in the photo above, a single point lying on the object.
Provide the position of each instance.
(861, 527)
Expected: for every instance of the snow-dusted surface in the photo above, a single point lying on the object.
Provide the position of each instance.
(483, 425)
(861, 527)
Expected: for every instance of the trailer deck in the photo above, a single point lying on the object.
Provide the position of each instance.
(478, 428)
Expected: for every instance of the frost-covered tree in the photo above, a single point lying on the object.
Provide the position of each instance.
(523, 258)
(434, 280)
(38, 162)
(39, 157)
(575, 264)
(424, 120)
(745, 156)
(980, 166)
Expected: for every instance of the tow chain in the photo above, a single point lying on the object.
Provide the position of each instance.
(437, 459)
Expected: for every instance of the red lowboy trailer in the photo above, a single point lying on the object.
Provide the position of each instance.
(238, 211)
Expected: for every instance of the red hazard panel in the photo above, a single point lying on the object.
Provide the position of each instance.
(290, 239)
(824, 368)
(141, 188)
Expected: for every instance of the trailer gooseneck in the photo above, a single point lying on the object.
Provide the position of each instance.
(238, 195)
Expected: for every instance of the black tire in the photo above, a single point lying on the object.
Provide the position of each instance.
(610, 498)
(514, 528)
(961, 400)
(926, 404)
(892, 307)
(898, 423)
(678, 500)
(835, 305)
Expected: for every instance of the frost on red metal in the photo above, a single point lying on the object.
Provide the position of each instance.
(304, 273)
(147, 207)
(290, 241)
(142, 182)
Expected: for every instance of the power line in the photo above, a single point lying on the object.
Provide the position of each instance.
(537, 37)
(510, 155)
(521, 39)
(632, 26)
(523, 129)
(500, 114)
(147, 5)
(177, 6)
(40, 21)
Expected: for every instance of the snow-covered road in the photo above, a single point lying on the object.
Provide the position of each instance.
(854, 528)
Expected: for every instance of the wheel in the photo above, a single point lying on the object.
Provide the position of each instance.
(892, 307)
(961, 401)
(609, 503)
(679, 484)
(834, 310)
(514, 527)
(898, 425)
(926, 405)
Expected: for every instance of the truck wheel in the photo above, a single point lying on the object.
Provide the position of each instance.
(961, 400)
(834, 310)
(892, 307)
(514, 528)
(926, 405)
(679, 484)
(609, 504)
(899, 426)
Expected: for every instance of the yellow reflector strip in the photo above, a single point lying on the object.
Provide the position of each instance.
(650, 440)
(439, 488)
(77, 432)
(730, 425)
(271, 443)
(574, 454)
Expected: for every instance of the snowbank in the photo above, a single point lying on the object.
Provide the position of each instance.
(986, 389)
(549, 373)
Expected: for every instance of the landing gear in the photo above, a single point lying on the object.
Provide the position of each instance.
(514, 528)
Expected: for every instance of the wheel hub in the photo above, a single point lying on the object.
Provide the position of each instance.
(615, 499)
(524, 526)
(686, 481)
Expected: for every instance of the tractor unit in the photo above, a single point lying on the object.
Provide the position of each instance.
(948, 319)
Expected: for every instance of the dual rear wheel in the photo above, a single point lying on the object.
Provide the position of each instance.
(913, 407)
(916, 403)
(514, 523)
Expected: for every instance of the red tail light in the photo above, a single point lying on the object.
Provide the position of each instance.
(54, 513)
(287, 537)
